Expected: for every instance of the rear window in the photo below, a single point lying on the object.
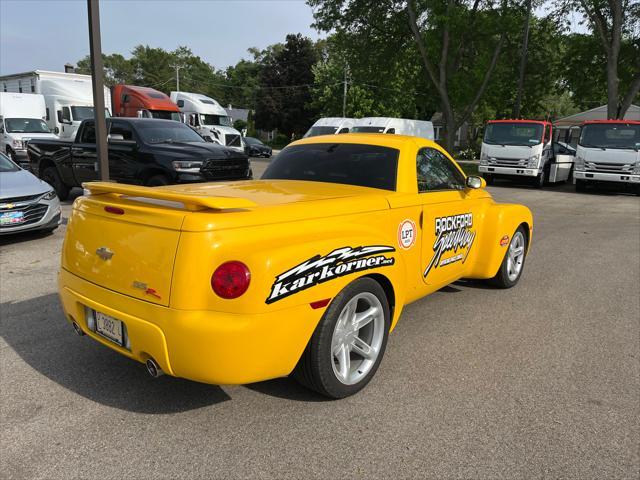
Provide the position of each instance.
(350, 164)
(367, 129)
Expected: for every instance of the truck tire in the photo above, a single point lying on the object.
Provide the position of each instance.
(52, 177)
(157, 181)
(348, 344)
(10, 154)
(512, 264)
(581, 185)
(541, 179)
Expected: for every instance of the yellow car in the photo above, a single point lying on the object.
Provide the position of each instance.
(304, 272)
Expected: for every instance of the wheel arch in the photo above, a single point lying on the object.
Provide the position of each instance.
(389, 292)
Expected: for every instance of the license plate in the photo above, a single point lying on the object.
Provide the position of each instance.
(109, 328)
(11, 218)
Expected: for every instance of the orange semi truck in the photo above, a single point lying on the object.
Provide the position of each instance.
(145, 102)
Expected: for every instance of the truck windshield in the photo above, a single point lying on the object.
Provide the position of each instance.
(610, 135)
(216, 120)
(167, 132)
(165, 115)
(315, 131)
(368, 129)
(85, 113)
(25, 125)
(351, 164)
(517, 133)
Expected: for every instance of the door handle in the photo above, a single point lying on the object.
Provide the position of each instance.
(420, 219)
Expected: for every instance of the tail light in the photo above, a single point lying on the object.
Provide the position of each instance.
(231, 279)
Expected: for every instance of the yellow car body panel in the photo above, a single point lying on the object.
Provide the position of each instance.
(145, 256)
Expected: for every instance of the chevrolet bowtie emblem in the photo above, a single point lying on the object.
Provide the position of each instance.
(104, 253)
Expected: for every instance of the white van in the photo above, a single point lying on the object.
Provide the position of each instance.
(399, 126)
(330, 126)
(21, 119)
(207, 117)
(68, 97)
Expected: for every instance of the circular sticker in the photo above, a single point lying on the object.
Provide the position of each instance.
(407, 233)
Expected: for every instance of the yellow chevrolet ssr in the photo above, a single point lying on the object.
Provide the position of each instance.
(304, 272)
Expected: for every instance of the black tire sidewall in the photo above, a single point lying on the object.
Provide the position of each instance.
(51, 176)
(321, 341)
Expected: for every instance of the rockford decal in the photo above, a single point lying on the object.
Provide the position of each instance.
(453, 234)
(319, 269)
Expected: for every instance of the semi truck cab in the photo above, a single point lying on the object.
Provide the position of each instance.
(608, 151)
(524, 148)
(143, 102)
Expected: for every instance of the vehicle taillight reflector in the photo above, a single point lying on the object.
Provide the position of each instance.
(230, 280)
(114, 210)
(320, 303)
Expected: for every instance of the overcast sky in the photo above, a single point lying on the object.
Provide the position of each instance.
(36, 34)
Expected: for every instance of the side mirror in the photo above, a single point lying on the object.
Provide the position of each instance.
(475, 182)
(56, 130)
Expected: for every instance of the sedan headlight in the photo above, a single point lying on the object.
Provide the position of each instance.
(17, 143)
(484, 158)
(578, 164)
(187, 166)
(636, 168)
(534, 161)
(50, 195)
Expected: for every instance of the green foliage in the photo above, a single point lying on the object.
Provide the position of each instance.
(239, 125)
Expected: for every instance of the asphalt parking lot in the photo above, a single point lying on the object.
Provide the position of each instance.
(542, 380)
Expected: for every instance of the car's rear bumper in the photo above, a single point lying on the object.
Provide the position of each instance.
(606, 177)
(206, 346)
(510, 171)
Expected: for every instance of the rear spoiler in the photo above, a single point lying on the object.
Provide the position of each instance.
(191, 201)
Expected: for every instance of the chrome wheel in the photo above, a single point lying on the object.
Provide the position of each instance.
(357, 338)
(515, 256)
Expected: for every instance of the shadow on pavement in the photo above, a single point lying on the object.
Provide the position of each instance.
(288, 389)
(27, 236)
(38, 332)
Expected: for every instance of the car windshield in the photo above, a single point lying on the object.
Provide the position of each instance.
(252, 141)
(25, 125)
(216, 120)
(167, 132)
(351, 164)
(517, 133)
(7, 165)
(165, 115)
(315, 131)
(367, 129)
(603, 135)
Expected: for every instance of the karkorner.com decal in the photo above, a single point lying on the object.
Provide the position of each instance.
(453, 234)
(320, 269)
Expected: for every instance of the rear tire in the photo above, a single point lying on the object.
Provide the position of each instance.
(157, 181)
(349, 342)
(512, 264)
(52, 177)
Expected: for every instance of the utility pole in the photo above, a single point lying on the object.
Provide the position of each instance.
(177, 67)
(97, 71)
(344, 94)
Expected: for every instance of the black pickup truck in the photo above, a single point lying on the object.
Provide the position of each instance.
(142, 151)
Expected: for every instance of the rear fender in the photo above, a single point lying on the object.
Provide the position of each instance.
(500, 223)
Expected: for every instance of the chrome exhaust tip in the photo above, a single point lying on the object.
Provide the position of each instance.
(78, 330)
(153, 368)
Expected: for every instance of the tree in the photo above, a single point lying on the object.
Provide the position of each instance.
(456, 42)
(523, 59)
(286, 76)
(614, 23)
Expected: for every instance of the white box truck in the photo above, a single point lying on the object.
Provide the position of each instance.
(330, 126)
(399, 126)
(207, 117)
(68, 97)
(524, 149)
(21, 119)
(608, 151)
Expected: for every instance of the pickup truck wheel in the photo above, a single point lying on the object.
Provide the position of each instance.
(349, 342)
(52, 177)
(513, 261)
(157, 181)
